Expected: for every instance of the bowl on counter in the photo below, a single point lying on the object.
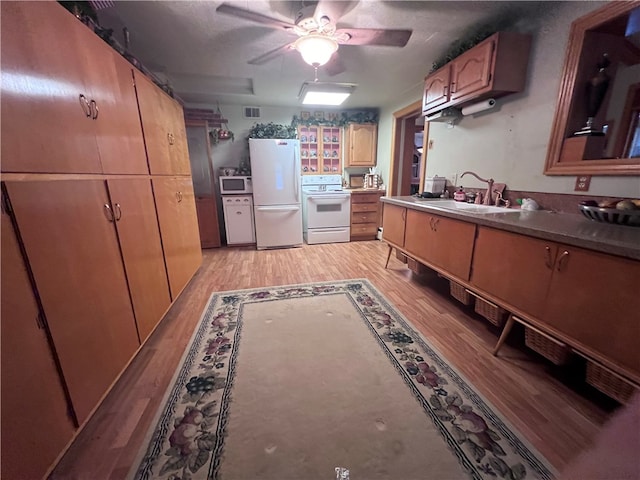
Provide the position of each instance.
(611, 215)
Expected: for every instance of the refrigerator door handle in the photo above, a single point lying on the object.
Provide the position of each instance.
(296, 173)
(278, 209)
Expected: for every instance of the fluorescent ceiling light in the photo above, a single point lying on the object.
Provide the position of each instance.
(323, 93)
(316, 49)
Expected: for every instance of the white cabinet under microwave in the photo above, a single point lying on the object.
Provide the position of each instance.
(235, 185)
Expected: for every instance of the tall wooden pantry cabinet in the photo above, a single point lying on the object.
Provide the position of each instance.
(99, 227)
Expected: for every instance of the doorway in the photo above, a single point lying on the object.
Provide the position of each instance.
(408, 162)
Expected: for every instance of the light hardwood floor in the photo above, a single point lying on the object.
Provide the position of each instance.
(558, 420)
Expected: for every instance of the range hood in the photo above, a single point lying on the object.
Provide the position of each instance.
(448, 115)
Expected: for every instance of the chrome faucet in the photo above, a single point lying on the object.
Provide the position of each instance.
(488, 197)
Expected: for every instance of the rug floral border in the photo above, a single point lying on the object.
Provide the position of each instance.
(188, 435)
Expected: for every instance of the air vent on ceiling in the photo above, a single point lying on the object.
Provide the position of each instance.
(251, 112)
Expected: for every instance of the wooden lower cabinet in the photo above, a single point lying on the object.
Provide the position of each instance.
(440, 242)
(365, 215)
(593, 298)
(207, 212)
(514, 268)
(178, 221)
(73, 251)
(393, 224)
(36, 422)
(139, 236)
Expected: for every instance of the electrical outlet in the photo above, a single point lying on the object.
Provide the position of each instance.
(582, 183)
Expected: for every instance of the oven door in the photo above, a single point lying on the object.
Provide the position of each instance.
(326, 210)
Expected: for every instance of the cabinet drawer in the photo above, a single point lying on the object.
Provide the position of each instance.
(364, 217)
(364, 207)
(365, 198)
(360, 229)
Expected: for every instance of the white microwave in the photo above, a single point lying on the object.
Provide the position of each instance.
(235, 185)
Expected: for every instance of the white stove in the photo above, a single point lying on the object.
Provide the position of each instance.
(326, 209)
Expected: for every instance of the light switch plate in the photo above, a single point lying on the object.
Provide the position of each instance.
(582, 183)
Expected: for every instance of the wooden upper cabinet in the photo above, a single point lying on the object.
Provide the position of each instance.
(178, 220)
(117, 122)
(44, 117)
(436, 88)
(393, 224)
(68, 100)
(495, 67)
(440, 242)
(361, 142)
(27, 359)
(592, 299)
(471, 71)
(513, 268)
(139, 236)
(164, 129)
(75, 258)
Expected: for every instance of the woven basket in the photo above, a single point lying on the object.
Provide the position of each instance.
(553, 350)
(415, 266)
(493, 313)
(460, 293)
(609, 383)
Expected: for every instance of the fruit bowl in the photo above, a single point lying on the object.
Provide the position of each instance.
(611, 215)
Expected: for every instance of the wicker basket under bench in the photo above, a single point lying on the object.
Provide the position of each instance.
(492, 312)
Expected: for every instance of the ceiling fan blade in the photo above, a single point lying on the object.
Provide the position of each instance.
(331, 9)
(334, 66)
(374, 36)
(229, 9)
(270, 55)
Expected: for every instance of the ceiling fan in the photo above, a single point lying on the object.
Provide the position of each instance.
(318, 33)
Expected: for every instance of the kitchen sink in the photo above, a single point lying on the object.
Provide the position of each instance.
(470, 207)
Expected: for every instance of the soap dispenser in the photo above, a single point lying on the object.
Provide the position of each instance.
(460, 196)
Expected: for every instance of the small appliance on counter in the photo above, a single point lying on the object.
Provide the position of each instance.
(434, 186)
(236, 185)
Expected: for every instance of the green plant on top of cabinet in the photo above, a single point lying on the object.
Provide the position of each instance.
(164, 129)
(361, 143)
(71, 113)
(33, 397)
(320, 149)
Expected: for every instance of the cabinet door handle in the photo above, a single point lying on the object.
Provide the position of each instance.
(84, 104)
(108, 212)
(436, 221)
(453, 87)
(446, 90)
(238, 213)
(117, 211)
(171, 138)
(93, 107)
(547, 258)
(179, 196)
(404, 215)
(563, 260)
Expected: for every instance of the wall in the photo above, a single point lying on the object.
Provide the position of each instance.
(509, 142)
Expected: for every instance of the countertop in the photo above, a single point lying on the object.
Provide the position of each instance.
(566, 228)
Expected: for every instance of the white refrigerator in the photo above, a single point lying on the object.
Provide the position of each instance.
(275, 174)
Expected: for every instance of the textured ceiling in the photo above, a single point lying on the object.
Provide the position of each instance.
(204, 54)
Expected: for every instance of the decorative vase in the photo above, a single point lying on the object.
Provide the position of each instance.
(595, 93)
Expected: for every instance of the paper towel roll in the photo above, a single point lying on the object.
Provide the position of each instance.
(479, 107)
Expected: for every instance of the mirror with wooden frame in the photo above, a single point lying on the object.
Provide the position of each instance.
(596, 128)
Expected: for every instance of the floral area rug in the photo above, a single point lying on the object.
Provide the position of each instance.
(323, 381)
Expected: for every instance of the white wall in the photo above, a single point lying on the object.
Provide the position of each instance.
(509, 143)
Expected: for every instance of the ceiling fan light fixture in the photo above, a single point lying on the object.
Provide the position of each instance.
(324, 93)
(316, 49)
